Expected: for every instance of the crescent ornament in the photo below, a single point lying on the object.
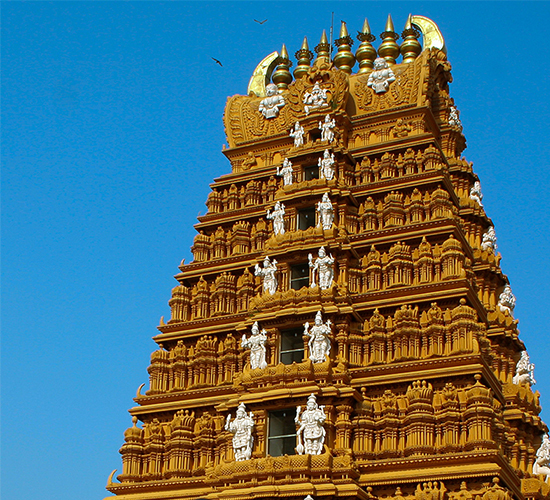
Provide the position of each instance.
(430, 33)
(262, 75)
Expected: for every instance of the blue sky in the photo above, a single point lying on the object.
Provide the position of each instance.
(112, 132)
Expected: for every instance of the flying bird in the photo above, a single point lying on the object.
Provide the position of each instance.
(260, 22)
(216, 61)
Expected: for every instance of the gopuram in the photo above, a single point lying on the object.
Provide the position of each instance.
(345, 330)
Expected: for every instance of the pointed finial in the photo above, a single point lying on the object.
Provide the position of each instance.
(343, 30)
(410, 48)
(366, 53)
(389, 24)
(281, 76)
(344, 59)
(304, 56)
(388, 49)
(323, 49)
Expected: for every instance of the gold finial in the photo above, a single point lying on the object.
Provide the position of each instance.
(304, 56)
(323, 49)
(410, 48)
(388, 49)
(344, 59)
(282, 77)
(366, 53)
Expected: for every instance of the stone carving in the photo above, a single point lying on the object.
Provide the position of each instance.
(507, 301)
(315, 99)
(525, 371)
(249, 161)
(542, 460)
(325, 213)
(454, 120)
(489, 241)
(256, 343)
(319, 339)
(311, 433)
(298, 135)
(241, 428)
(270, 105)
(401, 128)
(326, 165)
(475, 193)
(323, 265)
(327, 129)
(278, 218)
(381, 77)
(286, 173)
(268, 274)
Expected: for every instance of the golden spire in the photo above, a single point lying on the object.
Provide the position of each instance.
(366, 53)
(344, 59)
(282, 77)
(323, 49)
(410, 48)
(388, 49)
(304, 56)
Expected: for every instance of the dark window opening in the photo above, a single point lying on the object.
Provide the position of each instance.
(306, 218)
(292, 346)
(299, 276)
(311, 172)
(281, 435)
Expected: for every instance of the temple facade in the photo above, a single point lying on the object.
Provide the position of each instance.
(344, 329)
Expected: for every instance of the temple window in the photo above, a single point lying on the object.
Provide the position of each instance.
(306, 218)
(281, 436)
(292, 346)
(311, 172)
(299, 276)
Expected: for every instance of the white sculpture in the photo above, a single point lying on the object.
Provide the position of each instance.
(542, 458)
(241, 428)
(268, 274)
(256, 343)
(475, 193)
(489, 241)
(381, 77)
(278, 218)
(325, 213)
(327, 132)
(298, 135)
(507, 301)
(311, 433)
(525, 371)
(324, 266)
(270, 105)
(454, 120)
(317, 98)
(319, 339)
(286, 172)
(326, 165)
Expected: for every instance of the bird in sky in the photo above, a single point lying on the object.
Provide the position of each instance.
(216, 61)
(260, 22)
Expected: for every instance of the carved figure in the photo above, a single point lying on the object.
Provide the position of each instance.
(507, 301)
(381, 76)
(525, 371)
(489, 241)
(542, 460)
(317, 98)
(325, 213)
(319, 339)
(286, 173)
(401, 128)
(311, 433)
(270, 105)
(324, 266)
(454, 119)
(298, 135)
(327, 132)
(475, 193)
(241, 428)
(278, 218)
(326, 165)
(256, 343)
(249, 161)
(268, 274)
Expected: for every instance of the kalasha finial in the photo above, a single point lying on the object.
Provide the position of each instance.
(281, 76)
(323, 49)
(410, 48)
(304, 56)
(366, 53)
(344, 59)
(389, 49)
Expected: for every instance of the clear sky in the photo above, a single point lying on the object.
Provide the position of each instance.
(112, 132)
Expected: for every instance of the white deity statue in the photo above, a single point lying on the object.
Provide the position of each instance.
(454, 120)
(489, 241)
(241, 428)
(323, 265)
(381, 76)
(319, 339)
(268, 274)
(475, 193)
(286, 173)
(325, 213)
(310, 433)
(525, 371)
(256, 343)
(317, 98)
(326, 165)
(278, 218)
(327, 132)
(298, 135)
(542, 458)
(270, 105)
(507, 301)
